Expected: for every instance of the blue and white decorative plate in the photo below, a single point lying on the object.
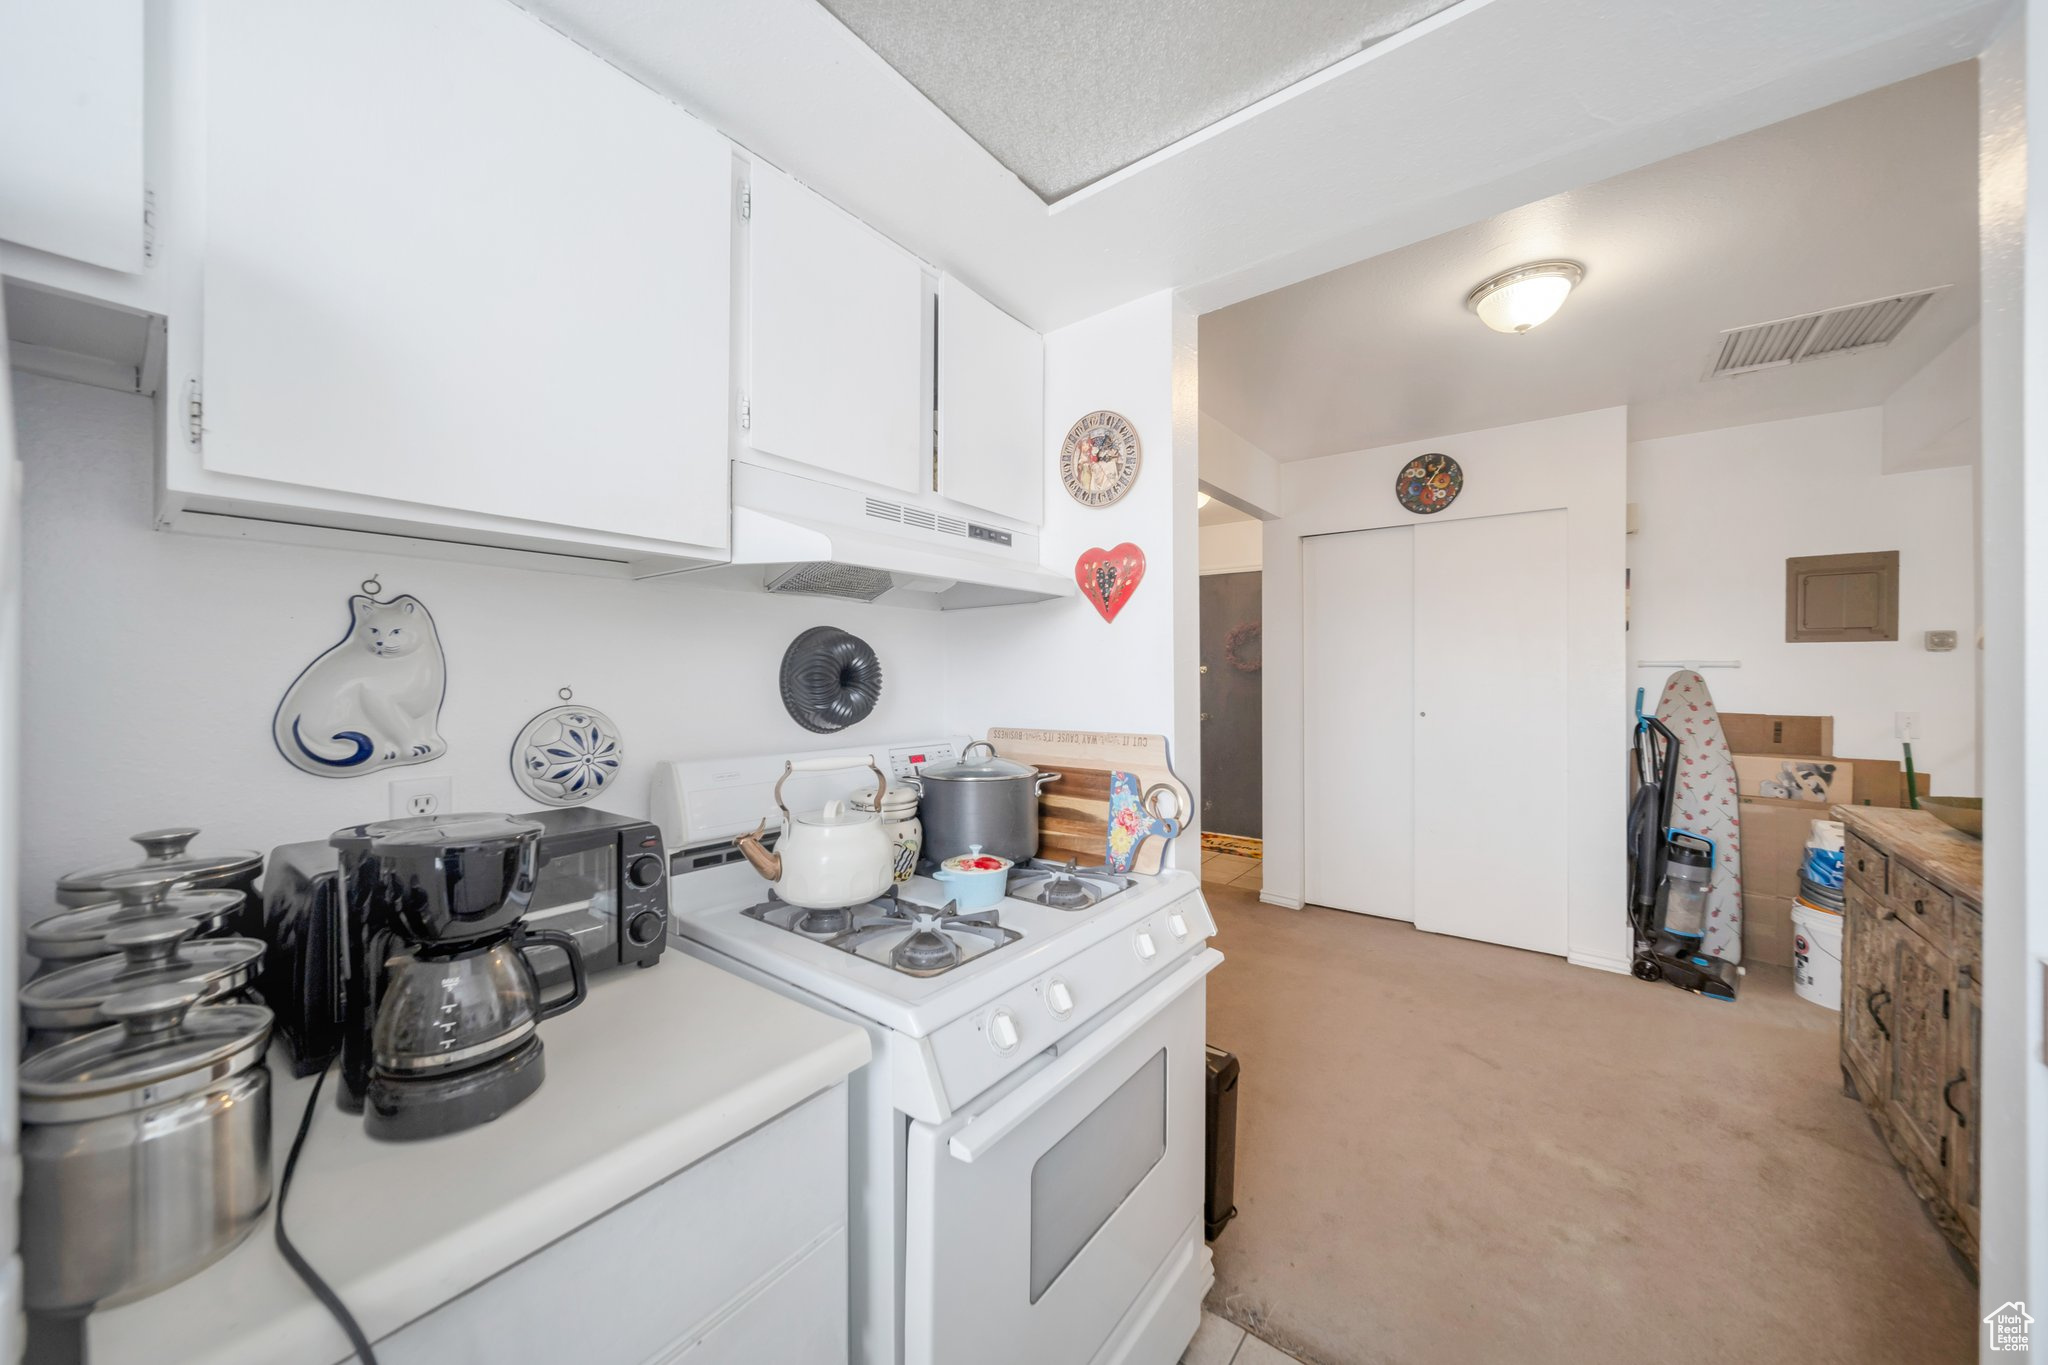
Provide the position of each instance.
(567, 755)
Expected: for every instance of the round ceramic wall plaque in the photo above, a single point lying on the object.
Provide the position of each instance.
(1429, 483)
(1099, 459)
(567, 755)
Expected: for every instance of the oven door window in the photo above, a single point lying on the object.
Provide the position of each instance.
(1077, 1185)
(577, 892)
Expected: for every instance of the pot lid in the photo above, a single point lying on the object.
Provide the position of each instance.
(146, 952)
(993, 768)
(82, 930)
(160, 1048)
(974, 860)
(169, 856)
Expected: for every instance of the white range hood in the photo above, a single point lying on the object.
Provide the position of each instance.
(792, 534)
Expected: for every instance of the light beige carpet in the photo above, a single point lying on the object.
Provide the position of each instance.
(1452, 1152)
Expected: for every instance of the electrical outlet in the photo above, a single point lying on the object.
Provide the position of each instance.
(1906, 725)
(422, 796)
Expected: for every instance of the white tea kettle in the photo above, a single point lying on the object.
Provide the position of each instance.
(826, 858)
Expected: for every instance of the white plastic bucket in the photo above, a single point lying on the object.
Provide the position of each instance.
(1817, 956)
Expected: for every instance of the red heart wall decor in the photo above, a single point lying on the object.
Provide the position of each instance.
(1109, 577)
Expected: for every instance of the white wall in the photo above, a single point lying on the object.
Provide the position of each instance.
(1577, 463)
(1059, 664)
(1931, 420)
(1233, 546)
(1237, 471)
(153, 661)
(1719, 513)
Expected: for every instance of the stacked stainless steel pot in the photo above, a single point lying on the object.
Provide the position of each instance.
(990, 805)
(145, 1148)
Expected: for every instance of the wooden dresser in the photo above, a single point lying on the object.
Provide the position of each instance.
(1912, 1000)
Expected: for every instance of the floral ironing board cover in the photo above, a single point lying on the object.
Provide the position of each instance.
(1706, 803)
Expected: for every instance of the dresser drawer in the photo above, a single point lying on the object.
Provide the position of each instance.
(1865, 864)
(1922, 906)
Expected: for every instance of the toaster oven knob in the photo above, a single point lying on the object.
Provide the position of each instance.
(646, 927)
(1002, 1031)
(1147, 949)
(645, 871)
(1059, 999)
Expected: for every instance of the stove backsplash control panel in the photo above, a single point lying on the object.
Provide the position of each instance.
(906, 761)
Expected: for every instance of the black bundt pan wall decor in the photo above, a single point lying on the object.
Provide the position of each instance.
(830, 679)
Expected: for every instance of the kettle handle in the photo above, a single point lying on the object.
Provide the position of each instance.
(826, 765)
(579, 986)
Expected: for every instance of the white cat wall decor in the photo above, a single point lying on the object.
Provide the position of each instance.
(371, 702)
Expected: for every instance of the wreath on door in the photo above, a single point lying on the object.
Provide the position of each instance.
(1243, 649)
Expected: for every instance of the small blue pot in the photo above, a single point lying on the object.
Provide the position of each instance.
(972, 888)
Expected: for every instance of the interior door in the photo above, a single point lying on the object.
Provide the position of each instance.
(1232, 785)
(1358, 682)
(1491, 818)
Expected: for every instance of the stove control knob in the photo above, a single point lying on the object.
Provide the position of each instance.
(1002, 1031)
(1058, 998)
(1178, 923)
(646, 927)
(1147, 949)
(645, 871)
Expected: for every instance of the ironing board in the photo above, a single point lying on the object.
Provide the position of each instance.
(1706, 803)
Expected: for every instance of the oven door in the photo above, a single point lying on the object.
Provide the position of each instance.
(1035, 1222)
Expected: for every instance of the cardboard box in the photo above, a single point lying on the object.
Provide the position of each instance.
(1766, 930)
(1774, 843)
(1812, 778)
(1751, 733)
(1882, 782)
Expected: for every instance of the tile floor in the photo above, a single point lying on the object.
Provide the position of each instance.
(1228, 869)
(1222, 1342)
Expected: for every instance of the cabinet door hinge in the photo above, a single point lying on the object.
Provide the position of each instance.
(746, 413)
(746, 201)
(195, 414)
(148, 226)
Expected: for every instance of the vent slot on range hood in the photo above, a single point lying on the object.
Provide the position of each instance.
(833, 580)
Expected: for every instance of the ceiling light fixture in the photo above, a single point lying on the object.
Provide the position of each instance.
(1527, 296)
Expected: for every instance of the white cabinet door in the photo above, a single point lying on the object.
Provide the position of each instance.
(836, 324)
(991, 407)
(1491, 813)
(454, 260)
(71, 129)
(1358, 708)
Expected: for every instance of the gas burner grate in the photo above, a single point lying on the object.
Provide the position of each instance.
(1064, 886)
(901, 936)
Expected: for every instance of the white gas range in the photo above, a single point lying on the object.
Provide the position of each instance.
(1026, 1177)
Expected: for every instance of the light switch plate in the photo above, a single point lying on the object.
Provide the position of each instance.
(1941, 641)
(1906, 725)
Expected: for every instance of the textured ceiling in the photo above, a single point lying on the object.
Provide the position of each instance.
(1064, 92)
(1869, 197)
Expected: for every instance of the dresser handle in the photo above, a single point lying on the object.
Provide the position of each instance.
(1919, 907)
(1870, 1003)
(1962, 1119)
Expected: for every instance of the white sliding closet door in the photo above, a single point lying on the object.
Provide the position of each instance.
(1358, 708)
(1490, 797)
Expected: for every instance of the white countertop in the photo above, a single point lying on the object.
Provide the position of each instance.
(656, 1070)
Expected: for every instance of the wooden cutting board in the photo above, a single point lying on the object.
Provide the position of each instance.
(1073, 813)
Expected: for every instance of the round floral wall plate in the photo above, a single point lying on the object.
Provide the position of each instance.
(1429, 483)
(566, 755)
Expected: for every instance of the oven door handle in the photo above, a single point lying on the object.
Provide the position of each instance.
(1000, 1119)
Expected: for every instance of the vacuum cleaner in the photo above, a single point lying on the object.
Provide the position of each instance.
(1670, 871)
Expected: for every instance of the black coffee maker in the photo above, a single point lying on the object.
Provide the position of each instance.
(441, 1009)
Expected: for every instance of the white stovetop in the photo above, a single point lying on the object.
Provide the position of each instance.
(707, 907)
(401, 1228)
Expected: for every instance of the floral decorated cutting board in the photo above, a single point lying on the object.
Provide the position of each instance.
(1706, 803)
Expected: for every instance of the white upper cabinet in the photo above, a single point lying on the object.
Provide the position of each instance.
(454, 261)
(836, 340)
(991, 396)
(71, 134)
